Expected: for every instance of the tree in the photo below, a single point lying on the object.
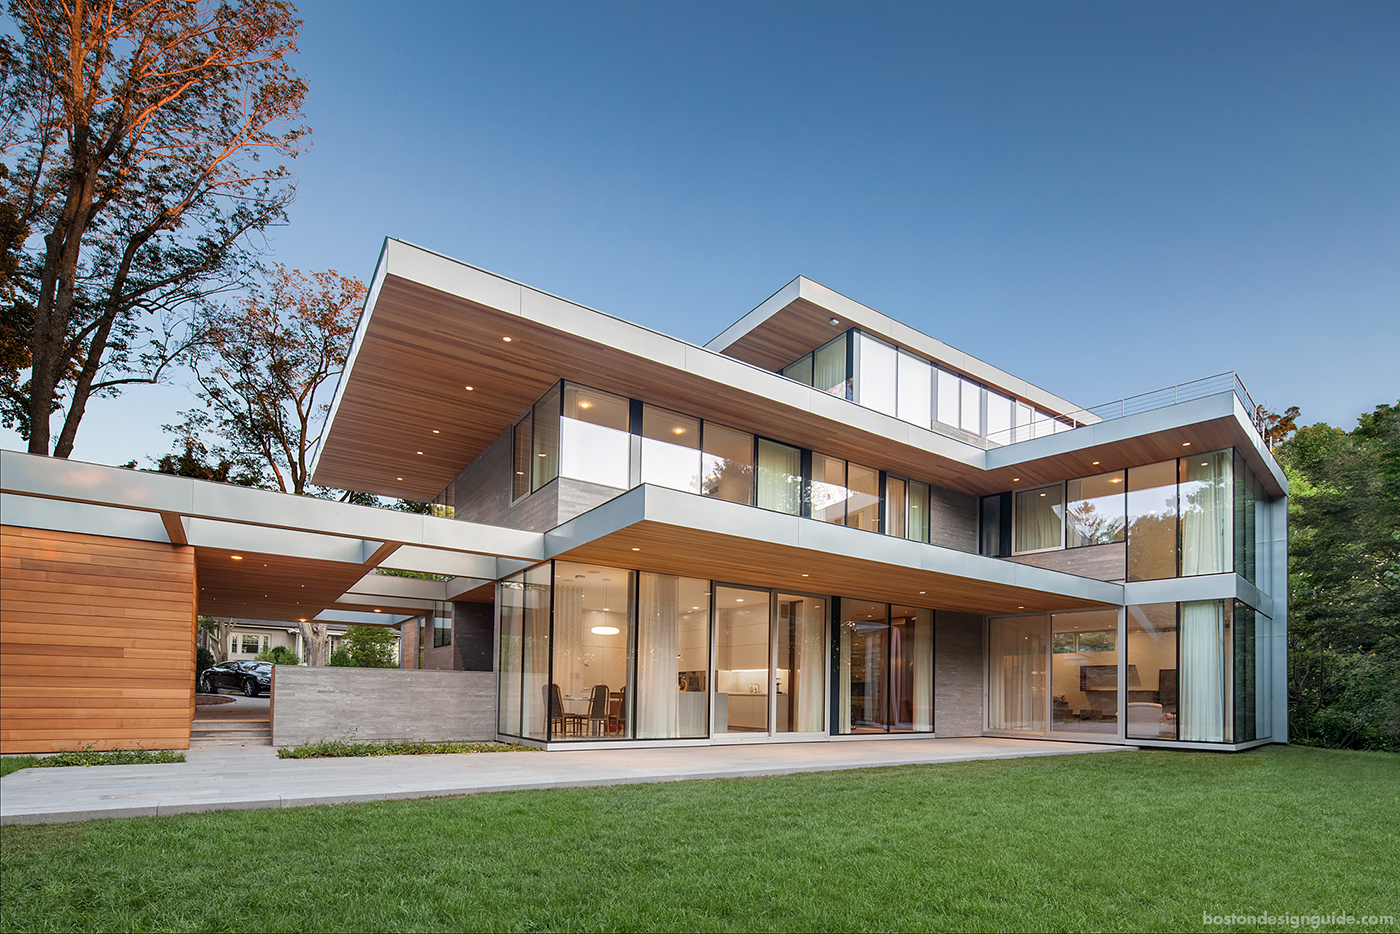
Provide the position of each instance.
(279, 655)
(217, 630)
(264, 363)
(135, 135)
(365, 647)
(1276, 427)
(1344, 582)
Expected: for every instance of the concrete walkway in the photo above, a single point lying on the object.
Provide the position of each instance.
(253, 777)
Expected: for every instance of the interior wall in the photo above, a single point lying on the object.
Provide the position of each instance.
(96, 642)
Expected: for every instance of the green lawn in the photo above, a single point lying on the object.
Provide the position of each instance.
(1122, 841)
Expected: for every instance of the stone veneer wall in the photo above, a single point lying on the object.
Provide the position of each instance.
(959, 669)
(375, 704)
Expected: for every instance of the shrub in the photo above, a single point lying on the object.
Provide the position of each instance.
(86, 755)
(203, 659)
(336, 748)
(340, 658)
(279, 655)
(370, 646)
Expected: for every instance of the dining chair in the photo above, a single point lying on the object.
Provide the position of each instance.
(565, 722)
(598, 709)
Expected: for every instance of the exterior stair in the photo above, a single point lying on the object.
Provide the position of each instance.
(207, 732)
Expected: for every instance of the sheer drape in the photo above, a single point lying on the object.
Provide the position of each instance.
(779, 477)
(1039, 515)
(1206, 512)
(923, 673)
(658, 696)
(809, 673)
(1202, 676)
(534, 708)
(844, 681)
(1016, 700)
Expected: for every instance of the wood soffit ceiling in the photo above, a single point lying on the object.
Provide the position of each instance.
(424, 346)
(273, 587)
(669, 549)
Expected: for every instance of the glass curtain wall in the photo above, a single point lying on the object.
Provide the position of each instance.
(829, 489)
(522, 461)
(896, 508)
(779, 477)
(742, 660)
(727, 465)
(864, 705)
(1039, 519)
(522, 704)
(915, 390)
(1152, 522)
(918, 511)
(1205, 501)
(671, 450)
(876, 377)
(1152, 645)
(1084, 672)
(1205, 671)
(911, 669)
(596, 445)
(885, 670)
(1097, 510)
(1016, 673)
(593, 689)
(801, 673)
(1250, 520)
(863, 498)
(544, 449)
(673, 656)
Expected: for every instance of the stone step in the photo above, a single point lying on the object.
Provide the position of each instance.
(245, 724)
(205, 742)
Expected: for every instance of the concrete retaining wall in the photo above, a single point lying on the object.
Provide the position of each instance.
(372, 704)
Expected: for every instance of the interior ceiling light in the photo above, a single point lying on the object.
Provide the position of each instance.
(605, 630)
(585, 405)
(739, 600)
(1120, 479)
(679, 431)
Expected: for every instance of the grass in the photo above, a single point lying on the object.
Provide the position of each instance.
(335, 748)
(89, 756)
(10, 764)
(1123, 841)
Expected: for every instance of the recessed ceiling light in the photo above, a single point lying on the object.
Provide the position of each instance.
(679, 431)
(1096, 463)
(506, 339)
(923, 591)
(1186, 444)
(584, 405)
(739, 600)
(806, 575)
(378, 610)
(835, 321)
(1042, 494)
(1015, 479)
(695, 608)
(605, 630)
(1119, 479)
(469, 388)
(418, 452)
(636, 549)
(1020, 608)
(236, 557)
(436, 432)
(398, 478)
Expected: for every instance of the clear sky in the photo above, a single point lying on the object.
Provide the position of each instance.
(1102, 198)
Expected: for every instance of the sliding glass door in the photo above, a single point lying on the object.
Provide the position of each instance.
(1055, 674)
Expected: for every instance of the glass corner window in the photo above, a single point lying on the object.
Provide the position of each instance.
(595, 445)
(1097, 509)
(671, 449)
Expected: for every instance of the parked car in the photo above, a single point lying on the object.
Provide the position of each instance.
(252, 678)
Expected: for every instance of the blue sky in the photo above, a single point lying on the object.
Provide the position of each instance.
(1102, 198)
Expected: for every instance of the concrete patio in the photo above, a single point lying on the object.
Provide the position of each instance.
(253, 777)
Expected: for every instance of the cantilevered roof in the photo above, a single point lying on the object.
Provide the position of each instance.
(798, 318)
(432, 380)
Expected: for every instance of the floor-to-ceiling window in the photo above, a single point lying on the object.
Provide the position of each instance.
(1152, 521)
(1152, 664)
(1084, 672)
(523, 701)
(801, 674)
(1016, 673)
(593, 689)
(673, 656)
(885, 668)
(742, 660)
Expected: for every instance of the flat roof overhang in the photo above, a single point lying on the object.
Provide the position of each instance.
(670, 532)
(797, 319)
(262, 554)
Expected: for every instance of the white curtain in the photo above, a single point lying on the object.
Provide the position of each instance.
(1202, 678)
(1016, 700)
(1206, 512)
(923, 672)
(658, 674)
(809, 673)
(1039, 516)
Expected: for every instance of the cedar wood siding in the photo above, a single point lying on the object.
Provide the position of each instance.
(96, 642)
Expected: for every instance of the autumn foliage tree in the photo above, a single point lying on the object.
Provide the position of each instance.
(143, 142)
(266, 368)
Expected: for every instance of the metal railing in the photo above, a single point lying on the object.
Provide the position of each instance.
(1131, 405)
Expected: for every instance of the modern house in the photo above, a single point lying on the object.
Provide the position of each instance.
(823, 524)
